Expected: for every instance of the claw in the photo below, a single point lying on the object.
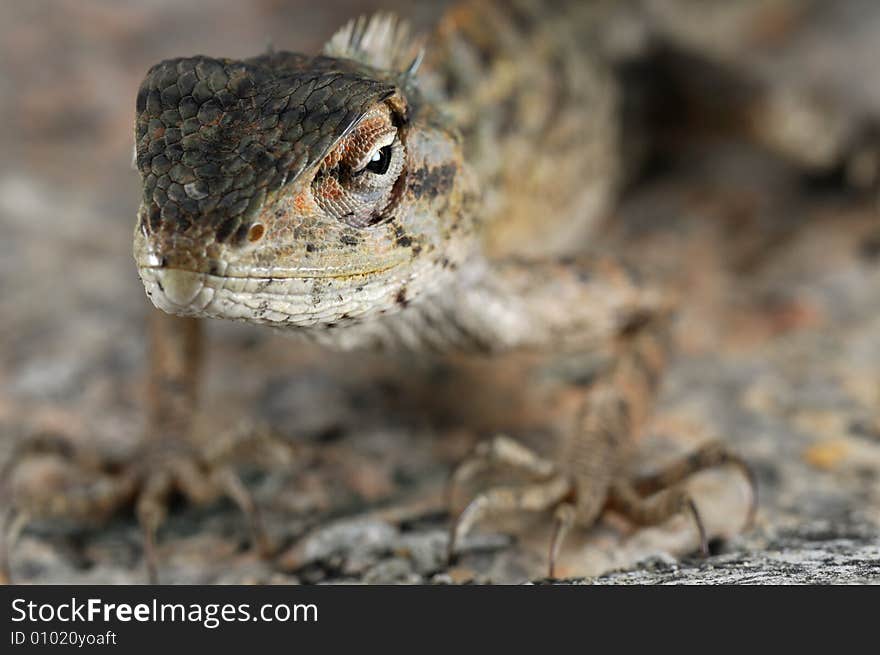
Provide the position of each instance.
(13, 524)
(535, 497)
(151, 513)
(151, 559)
(450, 546)
(753, 486)
(704, 542)
(709, 456)
(463, 524)
(501, 450)
(233, 487)
(564, 516)
(466, 470)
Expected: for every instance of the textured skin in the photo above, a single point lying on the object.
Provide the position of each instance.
(494, 160)
(216, 137)
(247, 170)
(505, 151)
(541, 130)
(512, 140)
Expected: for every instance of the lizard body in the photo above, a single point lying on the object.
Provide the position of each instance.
(438, 195)
(379, 212)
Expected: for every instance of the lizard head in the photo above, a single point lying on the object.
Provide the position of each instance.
(295, 190)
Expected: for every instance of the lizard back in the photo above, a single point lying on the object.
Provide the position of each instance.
(537, 104)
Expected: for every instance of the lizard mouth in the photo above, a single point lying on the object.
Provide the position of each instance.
(177, 281)
(291, 298)
(181, 263)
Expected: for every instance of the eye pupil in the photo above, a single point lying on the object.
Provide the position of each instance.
(380, 161)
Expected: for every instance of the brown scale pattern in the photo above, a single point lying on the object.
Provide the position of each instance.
(215, 136)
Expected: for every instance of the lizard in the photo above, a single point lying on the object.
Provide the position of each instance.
(437, 196)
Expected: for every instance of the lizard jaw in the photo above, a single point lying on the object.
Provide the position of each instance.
(292, 302)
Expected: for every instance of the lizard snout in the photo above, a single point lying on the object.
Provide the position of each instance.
(176, 291)
(179, 287)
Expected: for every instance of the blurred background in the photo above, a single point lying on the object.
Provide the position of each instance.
(780, 342)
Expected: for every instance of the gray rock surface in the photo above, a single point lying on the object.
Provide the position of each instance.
(813, 554)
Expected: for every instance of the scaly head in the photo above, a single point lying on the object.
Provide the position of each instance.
(296, 190)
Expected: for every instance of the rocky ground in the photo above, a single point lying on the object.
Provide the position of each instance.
(779, 344)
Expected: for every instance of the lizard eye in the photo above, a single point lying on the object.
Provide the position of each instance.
(380, 161)
(358, 182)
(379, 166)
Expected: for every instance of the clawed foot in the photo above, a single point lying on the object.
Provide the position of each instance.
(547, 487)
(649, 500)
(200, 482)
(49, 479)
